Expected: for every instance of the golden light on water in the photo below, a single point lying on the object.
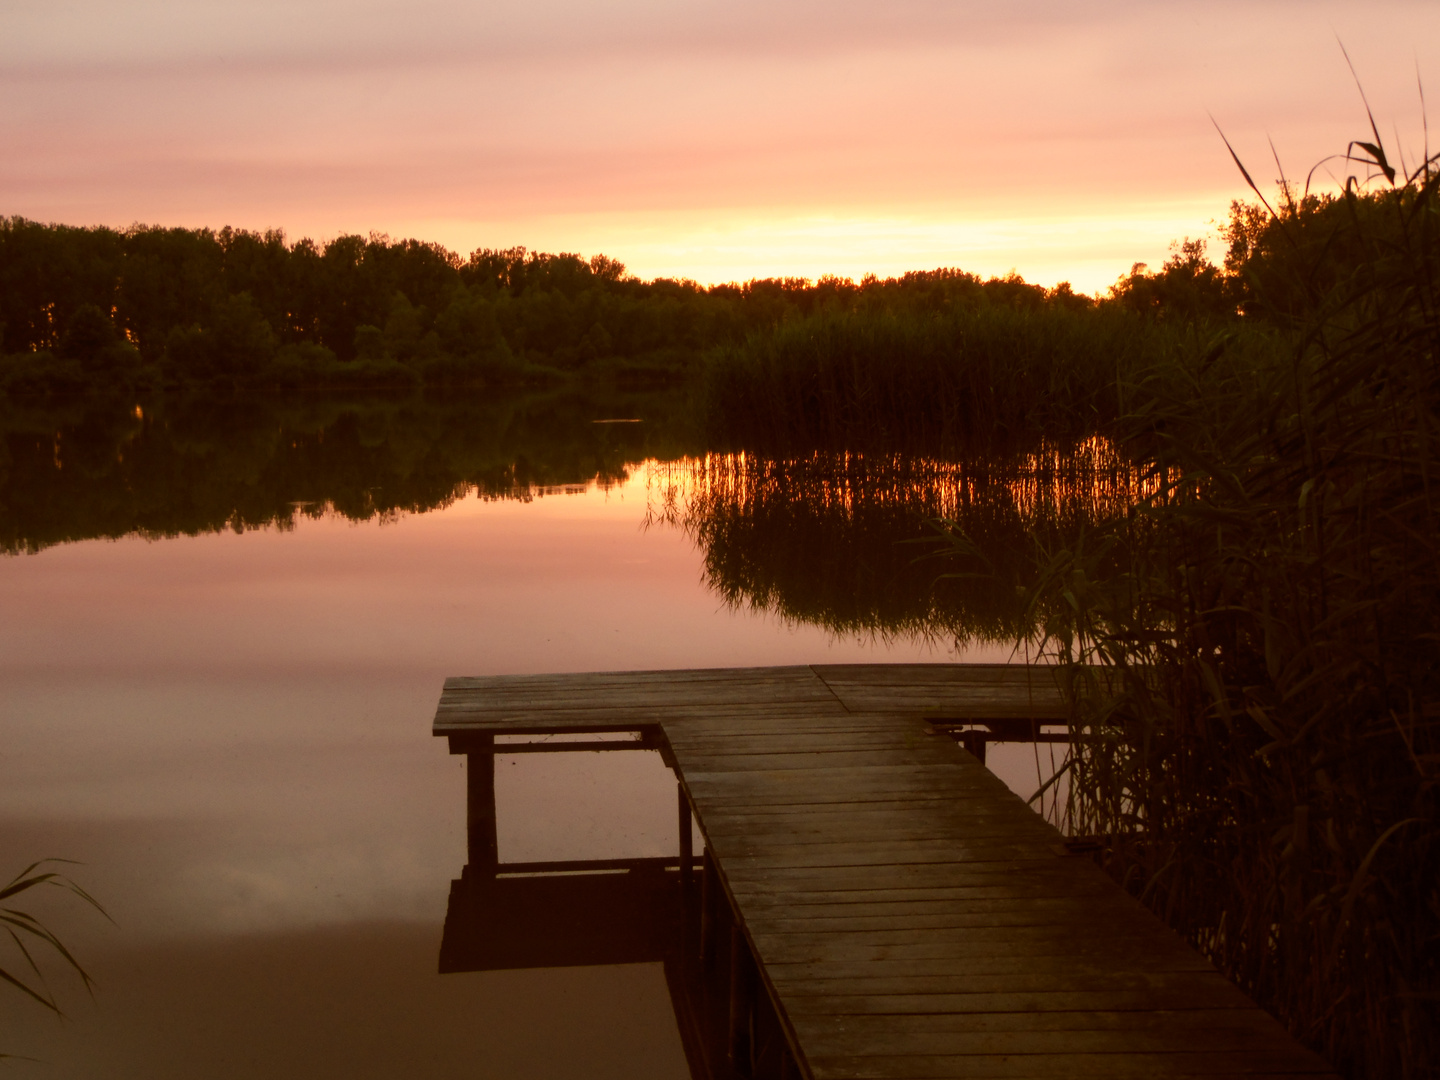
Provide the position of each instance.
(1089, 481)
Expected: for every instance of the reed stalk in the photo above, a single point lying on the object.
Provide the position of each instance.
(31, 938)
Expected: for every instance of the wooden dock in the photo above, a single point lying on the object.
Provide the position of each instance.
(875, 902)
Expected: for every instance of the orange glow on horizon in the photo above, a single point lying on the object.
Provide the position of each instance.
(1091, 250)
(709, 142)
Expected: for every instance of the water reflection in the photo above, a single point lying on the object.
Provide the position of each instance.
(846, 541)
(849, 541)
(651, 912)
(186, 467)
(232, 730)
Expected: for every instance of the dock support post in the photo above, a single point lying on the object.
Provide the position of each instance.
(481, 841)
(740, 1041)
(687, 844)
(709, 912)
(974, 741)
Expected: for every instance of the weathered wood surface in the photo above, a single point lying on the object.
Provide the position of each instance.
(912, 918)
(746, 699)
(958, 691)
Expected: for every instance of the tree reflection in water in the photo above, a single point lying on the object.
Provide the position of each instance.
(195, 465)
(847, 540)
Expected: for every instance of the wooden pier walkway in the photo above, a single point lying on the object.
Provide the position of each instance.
(892, 909)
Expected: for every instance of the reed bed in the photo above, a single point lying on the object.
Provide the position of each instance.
(1255, 652)
(904, 378)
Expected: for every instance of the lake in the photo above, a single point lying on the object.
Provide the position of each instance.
(225, 634)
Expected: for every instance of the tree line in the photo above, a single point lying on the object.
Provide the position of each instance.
(86, 309)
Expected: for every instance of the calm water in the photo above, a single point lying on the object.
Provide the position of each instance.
(231, 731)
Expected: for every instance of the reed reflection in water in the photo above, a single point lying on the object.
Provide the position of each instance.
(857, 542)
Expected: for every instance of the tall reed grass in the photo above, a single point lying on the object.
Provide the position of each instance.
(1257, 677)
(31, 939)
(868, 377)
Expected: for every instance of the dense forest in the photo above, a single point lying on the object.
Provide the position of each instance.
(100, 310)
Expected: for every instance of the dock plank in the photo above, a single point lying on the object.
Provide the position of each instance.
(976, 691)
(1122, 1065)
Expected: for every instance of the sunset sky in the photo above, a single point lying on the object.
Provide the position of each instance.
(718, 141)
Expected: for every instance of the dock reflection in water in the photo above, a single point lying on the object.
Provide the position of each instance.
(598, 912)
